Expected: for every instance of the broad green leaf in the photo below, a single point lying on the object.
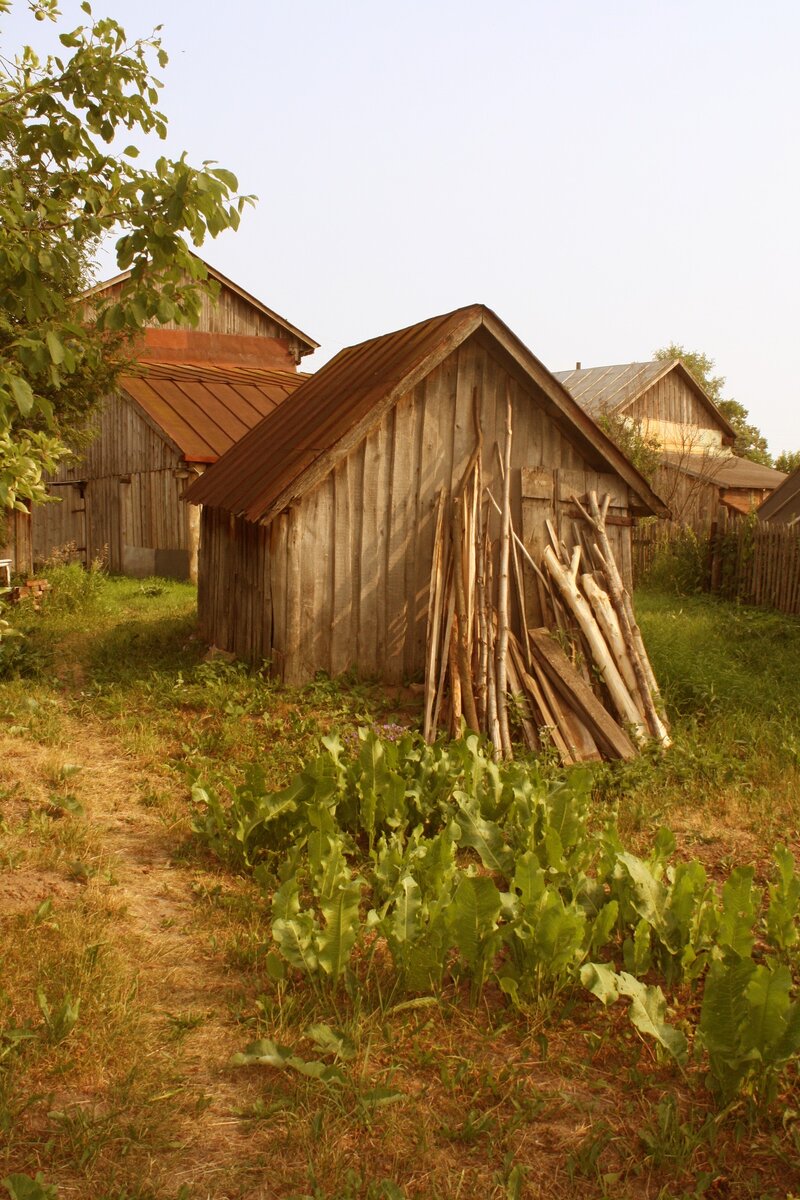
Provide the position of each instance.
(601, 980)
(603, 926)
(342, 926)
(738, 913)
(405, 925)
(23, 396)
(767, 996)
(648, 894)
(332, 1041)
(472, 916)
(487, 839)
(55, 347)
(648, 1013)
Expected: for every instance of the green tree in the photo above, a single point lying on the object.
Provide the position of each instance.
(66, 186)
(788, 461)
(642, 449)
(750, 441)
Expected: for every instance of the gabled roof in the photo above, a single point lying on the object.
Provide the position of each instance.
(203, 409)
(309, 343)
(613, 389)
(727, 470)
(297, 445)
(783, 505)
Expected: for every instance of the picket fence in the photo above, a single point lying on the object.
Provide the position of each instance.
(740, 558)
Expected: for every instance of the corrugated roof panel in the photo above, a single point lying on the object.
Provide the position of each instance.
(605, 389)
(206, 408)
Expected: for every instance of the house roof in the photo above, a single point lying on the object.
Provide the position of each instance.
(298, 444)
(727, 470)
(308, 343)
(204, 408)
(613, 389)
(784, 503)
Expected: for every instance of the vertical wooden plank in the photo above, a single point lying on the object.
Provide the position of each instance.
(372, 618)
(293, 668)
(342, 632)
(400, 537)
(279, 537)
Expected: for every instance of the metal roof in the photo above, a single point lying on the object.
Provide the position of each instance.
(613, 389)
(205, 408)
(727, 470)
(606, 389)
(292, 448)
(783, 505)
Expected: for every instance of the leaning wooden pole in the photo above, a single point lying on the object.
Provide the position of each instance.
(462, 619)
(596, 518)
(567, 580)
(501, 671)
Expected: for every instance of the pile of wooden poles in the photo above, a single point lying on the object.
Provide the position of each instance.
(583, 686)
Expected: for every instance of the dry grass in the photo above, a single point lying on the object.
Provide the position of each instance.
(115, 906)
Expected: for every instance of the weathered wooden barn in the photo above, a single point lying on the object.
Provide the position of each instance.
(318, 526)
(698, 470)
(189, 396)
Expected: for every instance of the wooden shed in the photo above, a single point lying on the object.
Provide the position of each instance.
(188, 397)
(698, 470)
(318, 526)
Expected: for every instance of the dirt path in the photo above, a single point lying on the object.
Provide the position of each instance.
(186, 992)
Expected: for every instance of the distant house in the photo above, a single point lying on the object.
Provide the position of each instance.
(189, 396)
(698, 470)
(318, 526)
(783, 505)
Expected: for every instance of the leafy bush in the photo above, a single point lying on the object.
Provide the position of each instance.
(469, 869)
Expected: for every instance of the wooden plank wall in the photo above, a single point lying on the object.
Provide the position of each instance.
(673, 400)
(132, 494)
(231, 313)
(16, 541)
(691, 501)
(343, 575)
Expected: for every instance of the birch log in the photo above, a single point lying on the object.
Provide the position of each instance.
(596, 518)
(566, 579)
(607, 620)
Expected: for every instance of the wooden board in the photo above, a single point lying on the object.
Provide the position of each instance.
(566, 680)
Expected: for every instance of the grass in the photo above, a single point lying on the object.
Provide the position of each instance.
(108, 713)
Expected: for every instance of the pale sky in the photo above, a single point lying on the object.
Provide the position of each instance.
(607, 176)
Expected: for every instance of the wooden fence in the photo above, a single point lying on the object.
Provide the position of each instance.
(741, 558)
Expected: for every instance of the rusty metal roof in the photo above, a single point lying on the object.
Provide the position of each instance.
(204, 408)
(295, 445)
(601, 390)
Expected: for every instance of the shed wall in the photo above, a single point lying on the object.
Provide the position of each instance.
(340, 580)
(672, 412)
(121, 501)
(231, 313)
